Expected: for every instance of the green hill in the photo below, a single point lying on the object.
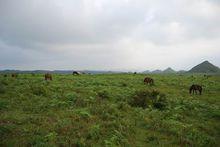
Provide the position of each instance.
(169, 70)
(205, 67)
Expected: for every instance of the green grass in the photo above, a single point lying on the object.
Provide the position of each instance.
(96, 110)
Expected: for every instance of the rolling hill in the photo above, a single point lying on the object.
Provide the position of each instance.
(205, 67)
(169, 70)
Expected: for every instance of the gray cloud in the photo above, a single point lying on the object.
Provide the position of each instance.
(102, 34)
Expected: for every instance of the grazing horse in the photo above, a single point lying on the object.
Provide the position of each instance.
(207, 76)
(148, 80)
(76, 73)
(194, 88)
(14, 75)
(48, 77)
(5, 75)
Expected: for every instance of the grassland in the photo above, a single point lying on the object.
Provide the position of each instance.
(96, 110)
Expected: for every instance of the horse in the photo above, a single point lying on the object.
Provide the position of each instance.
(14, 75)
(148, 80)
(5, 75)
(48, 77)
(76, 73)
(194, 88)
(207, 76)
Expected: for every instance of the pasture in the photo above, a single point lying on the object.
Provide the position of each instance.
(102, 110)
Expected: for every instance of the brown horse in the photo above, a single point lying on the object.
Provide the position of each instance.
(5, 75)
(14, 75)
(48, 77)
(148, 80)
(194, 88)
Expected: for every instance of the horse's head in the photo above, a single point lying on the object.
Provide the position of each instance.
(190, 89)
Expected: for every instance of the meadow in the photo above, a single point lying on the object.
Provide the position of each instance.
(107, 110)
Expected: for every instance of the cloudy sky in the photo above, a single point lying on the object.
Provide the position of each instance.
(108, 34)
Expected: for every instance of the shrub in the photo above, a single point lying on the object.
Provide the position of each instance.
(198, 138)
(71, 97)
(146, 99)
(51, 137)
(94, 132)
(124, 84)
(3, 104)
(55, 103)
(2, 89)
(5, 129)
(39, 90)
(83, 113)
(116, 139)
(103, 94)
(4, 82)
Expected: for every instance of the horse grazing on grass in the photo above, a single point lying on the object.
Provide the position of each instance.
(48, 77)
(5, 75)
(194, 88)
(76, 73)
(148, 80)
(14, 75)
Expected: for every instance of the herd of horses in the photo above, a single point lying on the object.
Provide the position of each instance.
(149, 81)
(193, 88)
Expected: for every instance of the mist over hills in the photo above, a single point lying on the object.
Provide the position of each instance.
(204, 67)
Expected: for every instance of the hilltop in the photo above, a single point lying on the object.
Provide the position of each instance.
(205, 67)
(169, 70)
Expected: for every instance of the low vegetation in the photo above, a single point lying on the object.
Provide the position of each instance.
(109, 110)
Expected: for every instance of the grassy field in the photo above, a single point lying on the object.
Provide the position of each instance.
(104, 110)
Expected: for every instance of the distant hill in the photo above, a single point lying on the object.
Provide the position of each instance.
(169, 70)
(157, 71)
(205, 67)
(147, 71)
(59, 71)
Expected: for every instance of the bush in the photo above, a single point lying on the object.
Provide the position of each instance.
(146, 99)
(94, 132)
(39, 90)
(116, 139)
(55, 103)
(2, 89)
(124, 84)
(4, 82)
(3, 104)
(83, 113)
(197, 138)
(71, 97)
(103, 94)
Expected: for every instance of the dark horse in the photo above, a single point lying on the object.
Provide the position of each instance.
(76, 73)
(48, 77)
(14, 75)
(148, 80)
(194, 88)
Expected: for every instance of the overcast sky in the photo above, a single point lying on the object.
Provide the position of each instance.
(108, 34)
